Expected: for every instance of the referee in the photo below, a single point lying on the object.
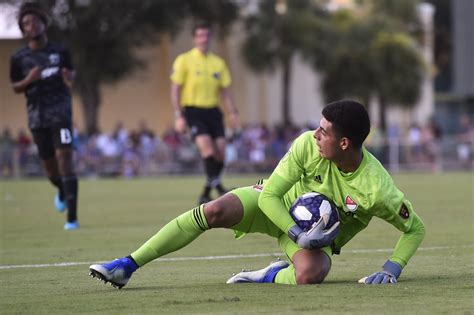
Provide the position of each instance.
(43, 72)
(199, 80)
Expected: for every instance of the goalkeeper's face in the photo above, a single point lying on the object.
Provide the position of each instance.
(331, 145)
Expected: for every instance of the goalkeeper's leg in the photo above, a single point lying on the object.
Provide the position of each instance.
(225, 211)
(308, 267)
(222, 212)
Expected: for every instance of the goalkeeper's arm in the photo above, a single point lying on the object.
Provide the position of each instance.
(404, 250)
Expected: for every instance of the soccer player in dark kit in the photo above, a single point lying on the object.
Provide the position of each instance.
(43, 71)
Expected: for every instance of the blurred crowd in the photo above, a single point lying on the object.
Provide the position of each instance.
(256, 148)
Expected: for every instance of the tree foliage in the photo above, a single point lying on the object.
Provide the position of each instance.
(372, 53)
(273, 38)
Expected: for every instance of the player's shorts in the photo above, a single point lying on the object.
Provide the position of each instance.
(208, 121)
(49, 139)
(255, 221)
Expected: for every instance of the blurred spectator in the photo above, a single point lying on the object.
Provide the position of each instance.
(7, 146)
(90, 157)
(375, 143)
(431, 144)
(415, 150)
(110, 150)
(23, 144)
(131, 159)
(465, 141)
(120, 134)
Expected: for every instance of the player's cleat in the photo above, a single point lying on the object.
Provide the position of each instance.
(116, 272)
(71, 225)
(265, 275)
(59, 204)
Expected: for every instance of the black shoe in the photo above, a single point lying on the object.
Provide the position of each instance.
(204, 199)
(221, 190)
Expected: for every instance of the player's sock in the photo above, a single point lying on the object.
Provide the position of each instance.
(286, 276)
(56, 181)
(70, 193)
(175, 235)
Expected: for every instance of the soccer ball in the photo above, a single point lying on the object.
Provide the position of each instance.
(310, 207)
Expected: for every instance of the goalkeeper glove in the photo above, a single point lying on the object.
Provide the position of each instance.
(390, 273)
(316, 237)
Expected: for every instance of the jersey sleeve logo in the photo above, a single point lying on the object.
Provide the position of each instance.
(351, 205)
(404, 213)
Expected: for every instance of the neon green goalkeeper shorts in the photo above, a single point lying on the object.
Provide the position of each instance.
(255, 221)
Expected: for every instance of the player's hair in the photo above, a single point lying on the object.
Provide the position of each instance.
(201, 24)
(349, 119)
(29, 7)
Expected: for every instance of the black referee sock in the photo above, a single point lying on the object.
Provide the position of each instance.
(211, 169)
(219, 168)
(56, 181)
(70, 191)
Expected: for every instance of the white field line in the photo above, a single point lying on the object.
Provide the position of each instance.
(354, 251)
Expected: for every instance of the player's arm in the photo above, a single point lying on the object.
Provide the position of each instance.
(228, 101)
(226, 97)
(179, 121)
(289, 171)
(67, 70)
(176, 99)
(403, 217)
(177, 80)
(20, 83)
(270, 199)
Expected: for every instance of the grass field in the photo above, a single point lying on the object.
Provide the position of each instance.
(44, 269)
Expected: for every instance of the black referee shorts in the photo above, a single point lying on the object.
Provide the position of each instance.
(207, 121)
(49, 139)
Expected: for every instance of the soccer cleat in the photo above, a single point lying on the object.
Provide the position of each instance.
(116, 272)
(71, 225)
(59, 204)
(265, 275)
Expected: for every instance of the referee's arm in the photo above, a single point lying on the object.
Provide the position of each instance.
(176, 99)
(231, 108)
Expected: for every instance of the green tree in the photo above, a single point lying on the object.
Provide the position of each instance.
(274, 35)
(103, 37)
(370, 53)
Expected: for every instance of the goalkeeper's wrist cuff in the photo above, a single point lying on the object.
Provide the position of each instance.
(294, 232)
(392, 267)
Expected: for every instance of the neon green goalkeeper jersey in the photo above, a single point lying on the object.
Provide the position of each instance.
(359, 196)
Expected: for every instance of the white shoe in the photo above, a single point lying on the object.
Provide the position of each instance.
(265, 275)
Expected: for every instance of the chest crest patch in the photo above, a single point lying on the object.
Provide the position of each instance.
(351, 205)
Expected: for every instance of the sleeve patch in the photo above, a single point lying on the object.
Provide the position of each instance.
(404, 213)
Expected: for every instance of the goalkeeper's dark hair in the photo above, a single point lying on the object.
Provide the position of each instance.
(349, 119)
(30, 7)
(201, 24)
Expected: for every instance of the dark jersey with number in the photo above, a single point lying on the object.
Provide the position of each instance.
(49, 98)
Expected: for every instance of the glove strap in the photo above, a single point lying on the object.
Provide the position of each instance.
(294, 232)
(393, 268)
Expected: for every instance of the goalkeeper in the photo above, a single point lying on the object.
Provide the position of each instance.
(330, 160)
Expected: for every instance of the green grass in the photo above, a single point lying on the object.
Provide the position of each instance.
(119, 215)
